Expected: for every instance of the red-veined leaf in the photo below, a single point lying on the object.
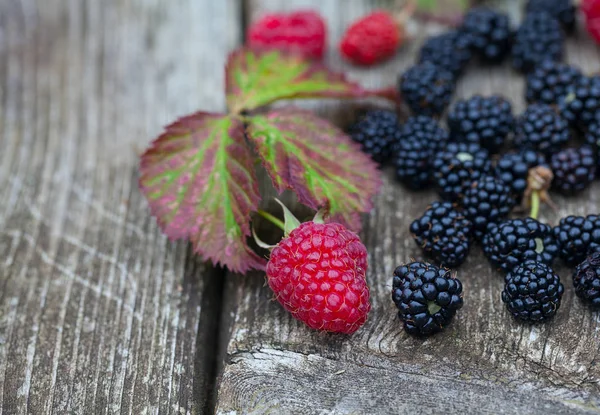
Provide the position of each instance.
(318, 161)
(199, 179)
(255, 79)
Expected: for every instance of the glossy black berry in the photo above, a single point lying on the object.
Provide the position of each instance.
(457, 166)
(550, 81)
(562, 10)
(515, 241)
(427, 297)
(582, 101)
(532, 292)
(573, 168)
(490, 33)
(577, 236)
(450, 50)
(486, 121)
(592, 138)
(513, 169)
(541, 129)
(586, 280)
(443, 233)
(539, 38)
(427, 88)
(376, 131)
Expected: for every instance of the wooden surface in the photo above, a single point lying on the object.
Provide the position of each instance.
(99, 313)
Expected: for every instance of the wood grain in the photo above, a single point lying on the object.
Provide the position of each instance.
(99, 313)
(485, 361)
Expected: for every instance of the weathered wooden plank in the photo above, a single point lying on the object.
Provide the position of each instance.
(484, 360)
(99, 313)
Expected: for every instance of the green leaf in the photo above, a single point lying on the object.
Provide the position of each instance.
(444, 11)
(307, 154)
(199, 179)
(255, 79)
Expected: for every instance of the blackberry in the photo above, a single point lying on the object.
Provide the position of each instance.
(562, 10)
(586, 280)
(486, 121)
(582, 101)
(376, 131)
(427, 88)
(450, 50)
(443, 233)
(488, 200)
(513, 169)
(457, 166)
(532, 292)
(549, 82)
(540, 128)
(514, 241)
(420, 138)
(573, 168)
(577, 236)
(539, 38)
(427, 297)
(592, 138)
(490, 33)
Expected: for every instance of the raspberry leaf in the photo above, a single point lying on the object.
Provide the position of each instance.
(307, 154)
(255, 79)
(199, 179)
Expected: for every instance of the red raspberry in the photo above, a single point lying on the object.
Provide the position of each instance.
(371, 39)
(318, 275)
(591, 11)
(302, 32)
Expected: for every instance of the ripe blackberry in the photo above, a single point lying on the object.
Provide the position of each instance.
(549, 82)
(427, 88)
(582, 101)
(540, 128)
(592, 138)
(443, 233)
(577, 236)
(490, 33)
(539, 38)
(488, 200)
(420, 138)
(586, 280)
(376, 131)
(450, 50)
(562, 10)
(427, 297)
(457, 166)
(486, 121)
(574, 169)
(532, 292)
(513, 169)
(514, 241)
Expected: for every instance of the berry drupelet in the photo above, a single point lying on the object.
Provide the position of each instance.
(443, 233)
(539, 38)
(532, 292)
(488, 200)
(514, 241)
(540, 128)
(582, 101)
(427, 88)
(586, 280)
(427, 297)
(450, 50)
(549, 82)
(513, 169)
(577, 236)
(573, 168)
(457, 166)
(486, 121)
(490, 33)
(376, 131)
(592, 138)
(562, 10)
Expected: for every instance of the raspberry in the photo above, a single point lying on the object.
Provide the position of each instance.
(490, 33)
(573, 168)
(561, 10)
(550, 81)
(318, 274)
(539, 38)
(513, 169)
(426, 88)
(450, 50)
(532, 292)
(591, 11)
(371, 39)
(376, 131)
(427, 297)
(541, 129)
(586, 280)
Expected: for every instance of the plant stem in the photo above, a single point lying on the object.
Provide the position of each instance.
(535, 204)
(277, 222)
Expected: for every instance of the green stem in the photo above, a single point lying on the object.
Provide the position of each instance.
(277, 222)
(535, 204)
